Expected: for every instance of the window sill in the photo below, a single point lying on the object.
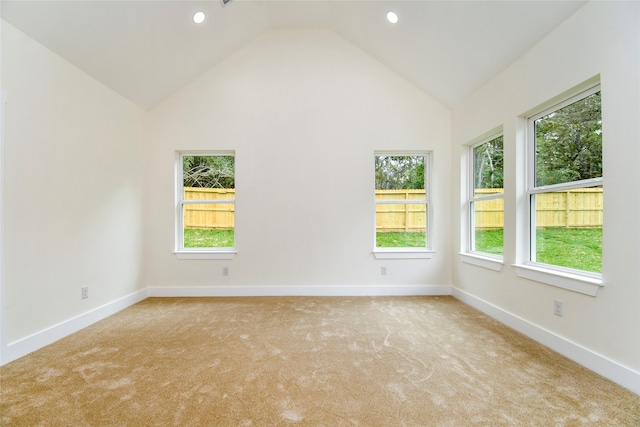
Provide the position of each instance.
(482, 261)
(573, 282)
(402, 253)
(222, 254)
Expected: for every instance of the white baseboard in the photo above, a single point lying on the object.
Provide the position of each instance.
(29, 344)
(598, 363)
(328, 291)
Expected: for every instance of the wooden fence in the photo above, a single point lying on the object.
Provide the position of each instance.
(572, 208)
(401, 216)
(209, 216)
(579, 208)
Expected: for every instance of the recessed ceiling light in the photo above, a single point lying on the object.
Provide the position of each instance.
(392, 17)
(198, 17)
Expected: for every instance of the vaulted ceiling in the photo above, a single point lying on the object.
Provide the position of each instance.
(147, 49)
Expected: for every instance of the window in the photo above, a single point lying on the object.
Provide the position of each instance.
(402, 204)
(486, 197)
(565, 186)
(205, 208)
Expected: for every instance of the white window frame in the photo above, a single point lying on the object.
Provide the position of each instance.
(408, 252)
(468, 254)
(585, 282)
(196, 253)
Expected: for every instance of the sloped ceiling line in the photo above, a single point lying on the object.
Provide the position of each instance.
(147, 50)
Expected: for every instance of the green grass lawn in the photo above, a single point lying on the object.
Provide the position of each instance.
(579, 248)
(208, 238)
(394, 239)
(490, 241)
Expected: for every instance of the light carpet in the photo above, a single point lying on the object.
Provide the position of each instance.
(312, 361)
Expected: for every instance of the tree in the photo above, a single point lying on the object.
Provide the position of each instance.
(488, 164)
(208, 171)
(569, 143)
(399, 172)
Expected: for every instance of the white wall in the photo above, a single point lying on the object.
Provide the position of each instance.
(304, 110)
(601, 38)
(72, 190)
(88, 177)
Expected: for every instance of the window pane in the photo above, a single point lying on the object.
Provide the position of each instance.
(568, 143)
(488, 160)
(209, 225)
(399, 172)
(569, 228)
(208, 171)
(488, 226)
(401, 225)
(400, 179)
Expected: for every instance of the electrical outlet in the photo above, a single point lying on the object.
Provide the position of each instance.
(383, 270)
(85, 292)
(558, 308)
(225, 271)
